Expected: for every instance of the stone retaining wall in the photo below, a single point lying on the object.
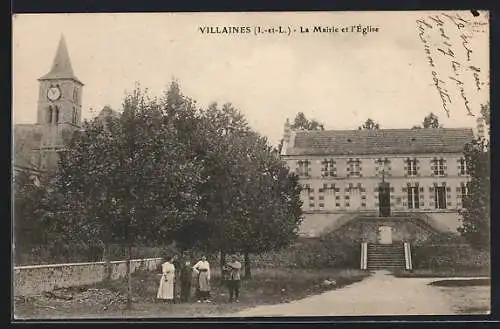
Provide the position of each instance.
(36, 279)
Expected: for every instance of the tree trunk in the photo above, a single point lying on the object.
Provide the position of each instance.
(222, 263)
(248, 273)
(222, 260)
(107, 265)
(129, 277)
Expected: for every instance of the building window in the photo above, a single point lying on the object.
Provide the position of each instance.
(464, 191)
(383, 167)
(304, 167)
(462, 166)
(440, 197)
(329, 190)
(75, 95)
(411, 167)
(413, 197)
(354, 167)
(328, 169)
(438, 167)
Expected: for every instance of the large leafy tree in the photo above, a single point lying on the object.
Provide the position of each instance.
(430, 121)
(29, 193)
(476, 213)
(369, 124)
(302, 123)
(126, 179)
(275, 205)
(247, 199)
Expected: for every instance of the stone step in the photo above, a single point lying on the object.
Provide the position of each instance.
(386, 257)
(386, 260)
(385, 264)
(385, 248)
(387, 252)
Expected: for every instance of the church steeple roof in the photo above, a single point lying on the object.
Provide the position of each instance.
(61, 67)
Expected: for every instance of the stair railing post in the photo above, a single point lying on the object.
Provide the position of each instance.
(409, 258)
(364, 256)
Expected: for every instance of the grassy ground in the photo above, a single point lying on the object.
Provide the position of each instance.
(444, 273)
(267, 286)
(468, 296)
(474, 299)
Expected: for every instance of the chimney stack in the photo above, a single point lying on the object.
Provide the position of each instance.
(286, 136)
(286, 131)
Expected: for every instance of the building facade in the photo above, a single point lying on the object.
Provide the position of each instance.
(393, 184)
(59, 110)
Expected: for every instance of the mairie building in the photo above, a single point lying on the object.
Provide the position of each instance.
(384, 188)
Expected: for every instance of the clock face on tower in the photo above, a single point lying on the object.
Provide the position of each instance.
(54, 93)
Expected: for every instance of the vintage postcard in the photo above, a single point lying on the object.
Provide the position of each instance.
(251, 164)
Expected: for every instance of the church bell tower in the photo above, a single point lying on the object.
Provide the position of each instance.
(59, 106)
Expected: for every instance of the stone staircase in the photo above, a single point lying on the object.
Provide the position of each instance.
(385, 256)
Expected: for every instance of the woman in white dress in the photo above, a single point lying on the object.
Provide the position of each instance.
(166, 288)
(202, 271)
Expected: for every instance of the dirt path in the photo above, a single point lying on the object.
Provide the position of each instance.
(380, 294)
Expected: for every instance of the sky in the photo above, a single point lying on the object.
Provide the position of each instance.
(338, 78)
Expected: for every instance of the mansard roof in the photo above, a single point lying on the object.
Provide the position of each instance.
(383, 141)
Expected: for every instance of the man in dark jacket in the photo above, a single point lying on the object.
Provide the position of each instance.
(185, 278)
(234, 282)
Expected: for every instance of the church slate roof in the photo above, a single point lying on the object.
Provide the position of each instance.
(61, 67)
(26, 137)
(383, 141)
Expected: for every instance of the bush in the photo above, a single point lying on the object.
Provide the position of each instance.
(330, 251)
(448, 252)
